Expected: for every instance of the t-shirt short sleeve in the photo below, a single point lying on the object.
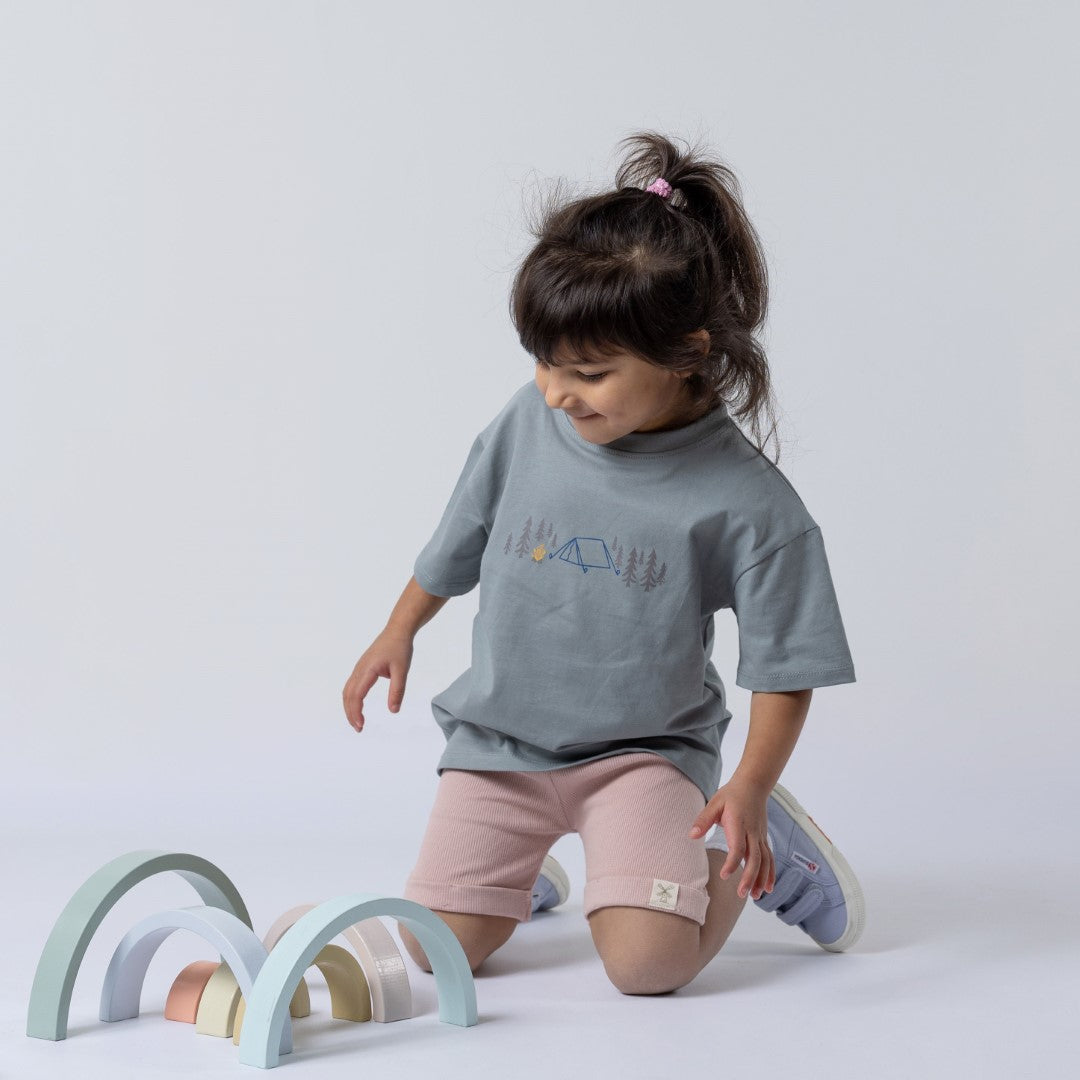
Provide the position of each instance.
(791, 636)
(449, 564)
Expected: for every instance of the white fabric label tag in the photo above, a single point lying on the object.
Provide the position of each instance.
(665, 894)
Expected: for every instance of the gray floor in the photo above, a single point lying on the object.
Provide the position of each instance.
(963, 971)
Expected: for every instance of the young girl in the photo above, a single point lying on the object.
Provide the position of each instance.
(607, 512)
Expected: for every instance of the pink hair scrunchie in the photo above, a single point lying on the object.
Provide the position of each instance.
(660, 187)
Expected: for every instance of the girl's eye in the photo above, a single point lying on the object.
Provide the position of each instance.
(592, 378)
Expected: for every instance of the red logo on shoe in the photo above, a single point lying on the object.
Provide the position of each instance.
(802, 860)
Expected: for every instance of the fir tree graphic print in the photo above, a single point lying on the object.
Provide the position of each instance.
(539, 544)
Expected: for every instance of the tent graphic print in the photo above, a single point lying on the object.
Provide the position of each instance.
(588, 552)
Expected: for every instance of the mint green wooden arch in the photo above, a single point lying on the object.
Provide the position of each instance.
(50, 998)
(266, 1011)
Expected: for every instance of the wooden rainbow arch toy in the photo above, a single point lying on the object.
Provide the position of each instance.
(252, 993)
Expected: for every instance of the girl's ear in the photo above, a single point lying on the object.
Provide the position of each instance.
(705, 339)
(703, 336)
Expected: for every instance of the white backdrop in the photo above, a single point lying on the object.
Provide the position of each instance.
(254, 264)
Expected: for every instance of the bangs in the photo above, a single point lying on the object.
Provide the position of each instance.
(567, 333)
(580, 349)
(563, 322)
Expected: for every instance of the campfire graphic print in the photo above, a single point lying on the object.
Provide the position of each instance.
(587, 554)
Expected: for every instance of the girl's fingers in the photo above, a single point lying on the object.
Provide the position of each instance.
(355, 691)
(770, 874)
(364, 683)
(753, 864)
(397, 688)
(765, 871)
(736, 851)
(708, 817)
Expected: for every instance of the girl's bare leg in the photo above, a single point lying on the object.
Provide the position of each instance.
(652, 952)
(480, 936)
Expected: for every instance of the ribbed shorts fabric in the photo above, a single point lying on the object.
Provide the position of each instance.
(488, 834)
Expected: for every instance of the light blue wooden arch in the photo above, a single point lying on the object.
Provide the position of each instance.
(50, 998)
(266, 1010)
(238, 944)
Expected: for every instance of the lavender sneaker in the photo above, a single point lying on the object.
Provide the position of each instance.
(815, 888)
(552, 886)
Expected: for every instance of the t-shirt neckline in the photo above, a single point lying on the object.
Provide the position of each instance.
(656, 442)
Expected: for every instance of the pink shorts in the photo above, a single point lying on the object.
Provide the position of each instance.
(489, 832)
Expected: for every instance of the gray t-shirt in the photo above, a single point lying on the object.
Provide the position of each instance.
(600, 569)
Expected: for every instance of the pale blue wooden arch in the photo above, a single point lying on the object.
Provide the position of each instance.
(50, 998)
(238, 944)
(266, 1010)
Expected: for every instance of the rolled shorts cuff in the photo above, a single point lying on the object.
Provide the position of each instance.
(471, 899)
(651, 893)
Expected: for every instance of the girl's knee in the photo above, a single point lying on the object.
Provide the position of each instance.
(479, 935)
(631, 974)
(645, 952)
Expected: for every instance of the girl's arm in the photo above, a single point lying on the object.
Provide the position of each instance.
(775, 723)
(776, 719)
(414, 608)
(390, 654)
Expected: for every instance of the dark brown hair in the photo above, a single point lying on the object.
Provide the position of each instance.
(626, 270)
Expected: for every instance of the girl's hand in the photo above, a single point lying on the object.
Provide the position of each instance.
(389, 656)
(739, 808)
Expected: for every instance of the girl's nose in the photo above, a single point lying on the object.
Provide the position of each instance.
(556, 394)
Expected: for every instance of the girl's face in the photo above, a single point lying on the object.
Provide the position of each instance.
(611, 397)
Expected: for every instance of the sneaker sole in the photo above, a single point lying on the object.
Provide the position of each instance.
(554, 872)
(849, 883)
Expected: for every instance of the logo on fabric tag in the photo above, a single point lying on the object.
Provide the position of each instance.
(665, 894)
(802, 860)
